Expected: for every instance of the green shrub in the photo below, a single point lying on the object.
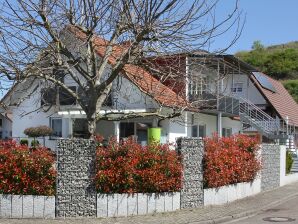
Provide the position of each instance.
(24, 142)
(289, 162)
(42, 130)
(34, 143)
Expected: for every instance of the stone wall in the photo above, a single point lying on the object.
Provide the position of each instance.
(115, 205)
(270, 173)
(27, 206)
(76, 193)
(192, 193)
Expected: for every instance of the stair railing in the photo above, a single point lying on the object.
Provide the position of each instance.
(258, 117)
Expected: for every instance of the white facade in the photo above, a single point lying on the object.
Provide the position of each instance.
(249, 91)
(126, 96)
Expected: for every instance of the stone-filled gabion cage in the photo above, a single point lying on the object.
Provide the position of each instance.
(76, 192)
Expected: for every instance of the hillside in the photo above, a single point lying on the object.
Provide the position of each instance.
(278, 61)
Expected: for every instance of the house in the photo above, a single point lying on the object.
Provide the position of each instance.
(5, 124)
(215, 94)
(234, 89)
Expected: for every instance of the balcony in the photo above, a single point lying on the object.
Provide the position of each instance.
(212, 103)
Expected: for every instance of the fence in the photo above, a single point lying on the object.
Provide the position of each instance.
(76, 195)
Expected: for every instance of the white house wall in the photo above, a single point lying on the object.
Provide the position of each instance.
(234, 124)
(128, 96)
(249, 92)
(24, 116)
(175, 128)
(204, 119)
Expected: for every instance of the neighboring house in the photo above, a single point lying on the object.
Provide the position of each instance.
(261, 103)
(5, 124)
(218, 94)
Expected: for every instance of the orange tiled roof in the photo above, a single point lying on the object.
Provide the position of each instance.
(136, 74)
(281, 100)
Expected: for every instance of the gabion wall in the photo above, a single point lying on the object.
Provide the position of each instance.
(76, 193)
(192, 193)
(270, 173)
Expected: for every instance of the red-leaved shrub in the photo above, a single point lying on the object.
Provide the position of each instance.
(230, 160)
(26, 172)
(130, 167)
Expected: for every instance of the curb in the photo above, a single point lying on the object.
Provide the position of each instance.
(246, 214)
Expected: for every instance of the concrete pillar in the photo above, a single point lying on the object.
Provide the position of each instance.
(70, 127)
(219, 124)
(155, 123)
(117, 130)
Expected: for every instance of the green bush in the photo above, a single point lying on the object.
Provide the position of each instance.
(24, 142)
(289, 162)
(34, 143)
(292, 87)
(42, 130)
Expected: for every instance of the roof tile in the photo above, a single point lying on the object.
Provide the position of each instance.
(136, 74)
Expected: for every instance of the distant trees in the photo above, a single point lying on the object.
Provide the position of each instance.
(292, 87)
(280, 62)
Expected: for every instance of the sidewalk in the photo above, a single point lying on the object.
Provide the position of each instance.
(212, 214)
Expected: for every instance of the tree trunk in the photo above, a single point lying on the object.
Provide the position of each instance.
(91, 119)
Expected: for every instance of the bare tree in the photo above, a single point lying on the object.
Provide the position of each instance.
(36, 41)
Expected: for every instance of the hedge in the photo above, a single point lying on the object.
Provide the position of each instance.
(26, 172)
(129, 167)
(230, 160)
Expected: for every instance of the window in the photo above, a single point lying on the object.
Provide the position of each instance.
(194, 131)
(49, 96)
(198, 86)
(80, 128)
(136, 129)
(56, 125)
(226, 132)
(142, 132)
(65, 98)
(237, 87)
(202, 130)
(127, 129)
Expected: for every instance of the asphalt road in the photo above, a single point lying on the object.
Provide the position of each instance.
(283, 213)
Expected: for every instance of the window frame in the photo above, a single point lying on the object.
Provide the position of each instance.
(197, 131)
(205, 130)
(237, 87)
(225, 133)
(53, 137)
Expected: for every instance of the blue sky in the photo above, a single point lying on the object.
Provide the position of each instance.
(270, 21)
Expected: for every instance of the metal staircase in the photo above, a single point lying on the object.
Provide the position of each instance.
(254, 117)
